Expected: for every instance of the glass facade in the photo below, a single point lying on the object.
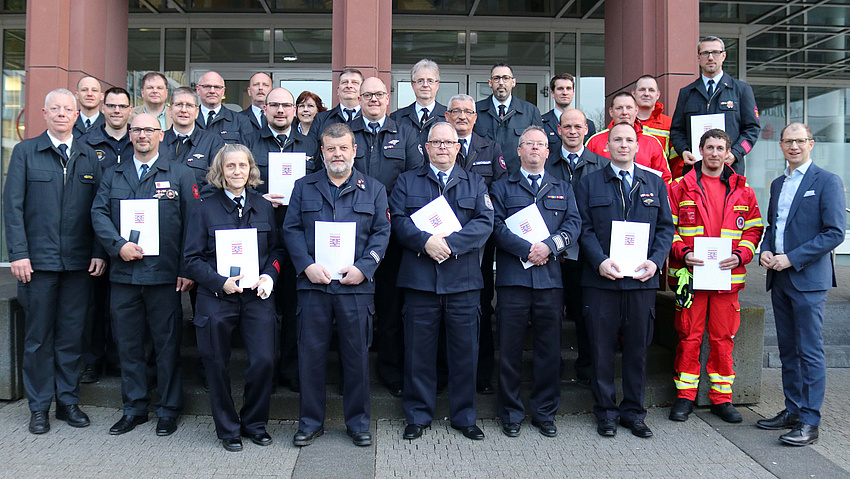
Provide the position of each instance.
(14, 82)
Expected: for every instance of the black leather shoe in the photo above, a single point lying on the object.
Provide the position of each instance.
(396, 388)
(637, 427)
(261, 439)
(547, 428)
(783, 420)
(484, 387)
(681, 409)
(90, 374)
(39, 422)
(470, 432)
(606, 427)
(801, 435)
(727, 412)
(127, 424)
(511, 429)
(166, 426)
(412, 431)
(306, 438)
(72, 414)
(233, 444)
(363, 438)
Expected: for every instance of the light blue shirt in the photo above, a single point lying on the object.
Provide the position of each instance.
(160, 116)
(379, 122)
(437, 172)
(786, 197)
(258, 113)
(630, 173)
(91, 119)
(243, 195)
(139, 163)
(566, 153)
(716, 79)
(465, 147)
(507, 103)
(525, 174)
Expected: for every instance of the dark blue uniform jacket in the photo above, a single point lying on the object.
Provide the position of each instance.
(506, 131)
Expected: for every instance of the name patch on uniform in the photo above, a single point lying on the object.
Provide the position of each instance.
(688, 203)
(740, 208)
(482, 162)
(163, 184)
(87, 177)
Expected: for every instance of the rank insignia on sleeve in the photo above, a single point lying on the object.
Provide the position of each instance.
(487, 201)
(502, 163)
(740, 222)
(389, 218)
(756, 112)
(195, 192)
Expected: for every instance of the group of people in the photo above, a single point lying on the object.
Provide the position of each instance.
(68, 191)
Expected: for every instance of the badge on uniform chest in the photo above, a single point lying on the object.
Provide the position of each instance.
(165, 193)
(648, 198)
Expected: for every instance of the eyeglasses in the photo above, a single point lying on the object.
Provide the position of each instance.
(378, 95)
(715, 53)
(148, 131)
(442, 143)
(212, 87)
(62, 109)
(536, 144)
(422, 81)
(503, 79)
(279, 106)
(458, 111)
(799, 141)
(113, 106)
(184, 106)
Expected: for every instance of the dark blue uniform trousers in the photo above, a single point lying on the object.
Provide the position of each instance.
(608, 312)
(516, 306)
(390, 327)
(55, 306)
(157, 307)
(215, 320)
(423, 312)
(799, 331)
(316, 314)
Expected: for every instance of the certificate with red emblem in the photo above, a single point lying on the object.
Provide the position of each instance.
(712, 251)
(238, 248)
(284, 169)
(335, 241)
(140, 221)
(629, 246)
(528, 224)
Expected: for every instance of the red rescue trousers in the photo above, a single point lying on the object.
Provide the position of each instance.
(724, 318)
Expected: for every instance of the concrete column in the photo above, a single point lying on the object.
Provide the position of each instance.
(655, 37)
(67, 40)
(362, 38)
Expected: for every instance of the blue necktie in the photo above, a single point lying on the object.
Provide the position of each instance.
(626, 188)
(535, 187)
(143, 170)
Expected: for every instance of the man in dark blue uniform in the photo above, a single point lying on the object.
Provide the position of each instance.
(535, 293)
(563, 91)
(484, 157)
(423, 113)
(279, 136)
(618, 301)
(184, 141)
(110, 143)
(716, 92)
(502, 117)
(339, 194)
(146, 289)
(50, 185)
(384, 150)
(259, 86)
(89, 95)
(441, 275)
(348, 93)
(214, 116)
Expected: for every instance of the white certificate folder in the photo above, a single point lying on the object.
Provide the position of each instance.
(712, 251)
(436, 218)
(629, 246)
(335, 245)
(528, 224)
(701, 124)
(284, 169)
(238, 247)
(141, 216)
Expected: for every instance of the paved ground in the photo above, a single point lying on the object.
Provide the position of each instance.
(702, 446)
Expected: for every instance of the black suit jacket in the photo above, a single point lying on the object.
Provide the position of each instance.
(230, 125)
(249, 115)
(80, 126)
(407, 116)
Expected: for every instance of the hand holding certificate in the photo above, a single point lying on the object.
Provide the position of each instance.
(238, 249)
(438, 219)
(528, 224)
(629, 246)
(284, 169)
(335, 246)
(709, 275)
(140, 224)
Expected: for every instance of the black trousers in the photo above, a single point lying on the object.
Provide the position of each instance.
(98, 344)
(215, 321)
(157, 307)
(608, 312)
(390, 327)
(517, 305)
(285, 299)
(317, 313)
(574, 305)
(423, 312)
(55, 306)
(486, 346)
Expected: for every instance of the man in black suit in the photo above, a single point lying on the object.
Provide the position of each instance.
(571, 161)
(563, 91)
(348, 92)
(259, 86)
(214, 116)
(89, 95)
(425, 111)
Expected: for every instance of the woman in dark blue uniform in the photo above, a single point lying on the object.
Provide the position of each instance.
(223, 306)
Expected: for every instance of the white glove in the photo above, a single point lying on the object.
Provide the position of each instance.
(264, 290)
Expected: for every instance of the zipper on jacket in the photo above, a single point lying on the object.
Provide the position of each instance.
(337, 197)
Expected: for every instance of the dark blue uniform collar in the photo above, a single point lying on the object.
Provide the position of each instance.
(390, 126)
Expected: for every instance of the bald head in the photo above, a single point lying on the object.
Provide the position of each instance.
(211, 90)
(89, 95)
(145, 133)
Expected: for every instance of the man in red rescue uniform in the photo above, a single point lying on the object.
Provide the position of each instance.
(654, 121)
(650, 154)
(711, 200)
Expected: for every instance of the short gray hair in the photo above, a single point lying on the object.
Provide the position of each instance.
(184, 90)
(527, 131)
(712, 38)
(442, 124)
(59, 91)
(461, 97)
(423, 64)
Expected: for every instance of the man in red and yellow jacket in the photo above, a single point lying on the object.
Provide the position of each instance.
(654, 121)
(650, 153)
(711, 200)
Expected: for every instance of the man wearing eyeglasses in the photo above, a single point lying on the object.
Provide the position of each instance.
(51, 182)
(184, 141)
(423, 113)
(154, 93)
(259, 86)
(214, 116)
(441, 278)
(807, 221)
(146, 286)
(716, 92)
(385, 149)
(503, 117)
(89, 95)
(279, 136)
(348, 93)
